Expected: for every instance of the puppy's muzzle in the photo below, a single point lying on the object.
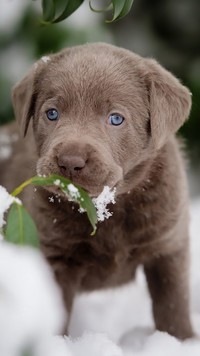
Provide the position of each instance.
(86, 165)
(71, 165)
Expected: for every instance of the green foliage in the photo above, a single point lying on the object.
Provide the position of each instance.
(120, 8)
(21, 229)
(82, 198)
(58, 10)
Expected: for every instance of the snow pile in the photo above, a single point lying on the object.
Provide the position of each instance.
(94, 344)
(6, 201)
(106, 197)
(90, 344)
(30, 302)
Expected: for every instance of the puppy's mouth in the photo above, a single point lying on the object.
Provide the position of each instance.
(92, 175)
(92, 189)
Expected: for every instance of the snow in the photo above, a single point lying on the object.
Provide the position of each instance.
(106, 197)
(51, 199)
(93, 344)
(115, 322)
(5, 202)
(57, 182)
(45, 59)
(30, 302)
(54, 346)
(90, 344)
(74, 193)
(6, 142)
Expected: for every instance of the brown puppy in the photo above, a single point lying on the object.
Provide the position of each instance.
(102, 115)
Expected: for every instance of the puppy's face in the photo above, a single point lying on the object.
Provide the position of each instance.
(91, 119)
(98, 113)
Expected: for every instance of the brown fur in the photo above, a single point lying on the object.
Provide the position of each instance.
(141, 158)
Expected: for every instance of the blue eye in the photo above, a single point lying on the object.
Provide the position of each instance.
(116, 119)
(52, 114)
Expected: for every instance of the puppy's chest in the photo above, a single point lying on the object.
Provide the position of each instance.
(105, 260)
(112, 255)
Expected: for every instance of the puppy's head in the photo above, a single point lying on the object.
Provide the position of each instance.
(98, 113)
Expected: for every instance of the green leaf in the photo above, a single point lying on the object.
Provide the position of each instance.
(117, 8)
(60, 6)
(57, 10)
(72, 5)
(21, 229)
(48, 9)
(83, 199)
(124, 11)
(19, 189)
(87, 204)
(1, 231)
(120, 8)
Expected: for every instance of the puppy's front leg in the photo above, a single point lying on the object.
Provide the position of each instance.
(68, 291)
(167, 278)
(64, 280)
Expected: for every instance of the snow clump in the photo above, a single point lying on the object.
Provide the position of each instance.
(31, 306)
(45, 59)
(106, 197)
(57, 182)
(74, 193)
(6, 201)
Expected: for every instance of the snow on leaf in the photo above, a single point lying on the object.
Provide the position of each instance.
(74, 193)
(57, 182)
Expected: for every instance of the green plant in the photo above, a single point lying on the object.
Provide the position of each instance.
(20, 228)
(58, 10)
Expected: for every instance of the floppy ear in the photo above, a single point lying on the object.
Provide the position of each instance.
(23, 100)
(169, 101)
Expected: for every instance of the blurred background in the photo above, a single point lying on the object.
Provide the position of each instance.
(168, 30)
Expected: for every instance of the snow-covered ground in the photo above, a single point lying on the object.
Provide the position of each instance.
(109, 323)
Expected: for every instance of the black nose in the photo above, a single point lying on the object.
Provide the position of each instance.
(70, 165)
